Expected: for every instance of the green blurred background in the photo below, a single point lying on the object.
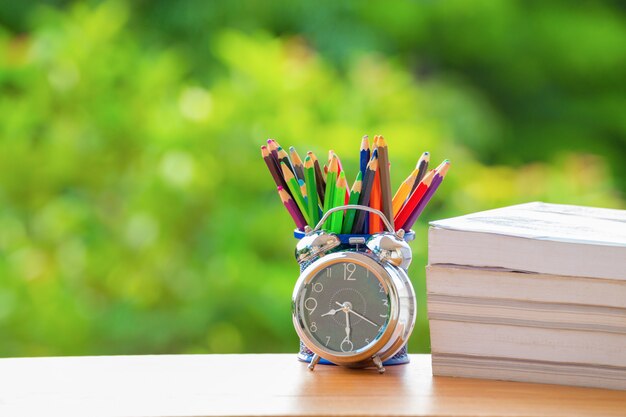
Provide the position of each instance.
(136, 214)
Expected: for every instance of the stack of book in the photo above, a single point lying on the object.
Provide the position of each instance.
(534, 292)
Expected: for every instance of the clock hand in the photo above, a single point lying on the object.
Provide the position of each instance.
(347, 308)
(347, 325)
(332, 312)
(362, 317)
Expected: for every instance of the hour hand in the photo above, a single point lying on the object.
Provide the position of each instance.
(332, 312)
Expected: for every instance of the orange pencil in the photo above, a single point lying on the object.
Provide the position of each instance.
(404, 191)
(376, 224)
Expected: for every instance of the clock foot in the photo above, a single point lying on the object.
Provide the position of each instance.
(379, 364)
(316, 358)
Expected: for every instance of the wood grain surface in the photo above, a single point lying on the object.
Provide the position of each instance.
(251, 385)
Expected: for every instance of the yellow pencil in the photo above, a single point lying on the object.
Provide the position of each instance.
(404, 191)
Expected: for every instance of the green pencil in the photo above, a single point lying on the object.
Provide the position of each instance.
(348, 221)
(336, 219)
(294, 187)
(331, 184)
(319, 177)
(311, 190)
(302, 185)
(283, 156)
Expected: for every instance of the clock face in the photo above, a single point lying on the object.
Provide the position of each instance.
(344, 307)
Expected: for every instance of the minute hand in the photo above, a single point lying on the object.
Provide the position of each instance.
(362, 317)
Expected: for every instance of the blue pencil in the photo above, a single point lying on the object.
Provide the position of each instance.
(364, 160)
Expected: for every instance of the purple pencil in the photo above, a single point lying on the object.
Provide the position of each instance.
(273, 146)
(292, 208)
(440, 174)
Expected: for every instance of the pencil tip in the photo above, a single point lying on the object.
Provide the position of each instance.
(443, 169)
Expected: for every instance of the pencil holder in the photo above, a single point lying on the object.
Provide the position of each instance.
(378, 248)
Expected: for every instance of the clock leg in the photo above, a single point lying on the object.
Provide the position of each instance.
(316, 358)
(379, 364)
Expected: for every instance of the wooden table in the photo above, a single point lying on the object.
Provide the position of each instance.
(207, 385)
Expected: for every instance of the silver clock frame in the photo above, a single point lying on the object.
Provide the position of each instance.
(398, 327)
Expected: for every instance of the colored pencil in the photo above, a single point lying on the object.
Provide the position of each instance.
(311, 190)
(385, 179)
(404, 191)
(308, 191)
(348, 220)
(422, 166)
(332, 153)
(297, 163)
(408, 208)
(271, 166)
(375, 144)
(364, 155)
(336, 219)
(339, 171)
(292, 208)
(364, 198)
(331, 184)
(376, 224)
(272, 145)
(294, 187)
(303, 190)
(364, 159)
(373, 152)
(320, 180)
(283, 158)
(440, 174)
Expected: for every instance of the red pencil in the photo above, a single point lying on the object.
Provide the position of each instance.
(413, 201)
(292, 208)
(376, 224)
(440, 174)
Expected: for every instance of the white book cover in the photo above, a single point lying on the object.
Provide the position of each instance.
(535, 237)
(529, 371)
(461, 281)
(528, 343)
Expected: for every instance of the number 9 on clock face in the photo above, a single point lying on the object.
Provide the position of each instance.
(344, 307)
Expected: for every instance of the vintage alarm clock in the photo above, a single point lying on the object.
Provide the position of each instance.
(353, 304)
